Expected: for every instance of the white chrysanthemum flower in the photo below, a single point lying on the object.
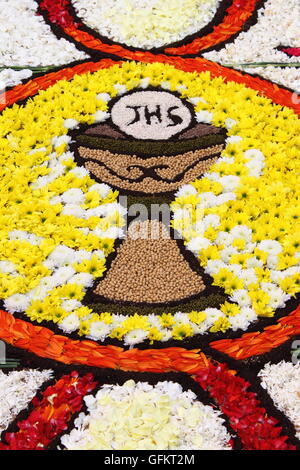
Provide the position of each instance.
(239, 322)
(135, 336)
(83, 279)
(207, 200)
(62, 275)
(213, 176)
(292, 270)
(73, 196)
(144, 83)
(154, 321)
(254, 153)
(278, 300)
(223, 198)
(81, 255)
(70, 323)
(7, 267)
(47, 283)
(213, 266)
(180, 214)
(17, 303)
(233, 139)
(211, 220)
(204, 116)
(235, 269)
(241, 297)
(71, 124)
(227, 253)
(270, 288)
(62, 139)
(22, 235)
(70, 305)
(111, 232)
(197, 244)
(186, 190)
(277, 276)
(106, 209)
(224, 238)
(99, 331)
(99, 253)
(230, 123)
(229, 182)
(229, 160)
(101, 116)
(212, 315)
(249, 313)
(121, 89)
(270, 246)
(60, 255)
(103, 97)
(166, 335)
(277, 296)
(64, 156)
(80, 172)
(243, 232)
(101, 188)
(248, 276)
(39, 293)
(254, 262)
(255, 167)
(181, 318)
(74, 210)
(196, 100)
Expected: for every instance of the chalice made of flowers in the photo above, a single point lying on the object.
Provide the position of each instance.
(151, 146)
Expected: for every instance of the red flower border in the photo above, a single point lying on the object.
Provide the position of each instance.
(51, 414)
(256, 429)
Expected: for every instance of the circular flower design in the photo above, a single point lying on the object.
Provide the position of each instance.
(252, 254)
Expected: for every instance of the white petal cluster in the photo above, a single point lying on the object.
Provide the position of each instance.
(27, 40)
(282, 382)
(146, 23)
(16, 391)
(278, 25)
(141, 416)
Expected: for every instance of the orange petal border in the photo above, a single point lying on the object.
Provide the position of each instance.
(252, 344)
(277, 94)
(45, 343)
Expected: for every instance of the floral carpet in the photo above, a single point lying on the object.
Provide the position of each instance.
(150, 225)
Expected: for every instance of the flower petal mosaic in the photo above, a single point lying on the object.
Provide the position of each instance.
(150, 221)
